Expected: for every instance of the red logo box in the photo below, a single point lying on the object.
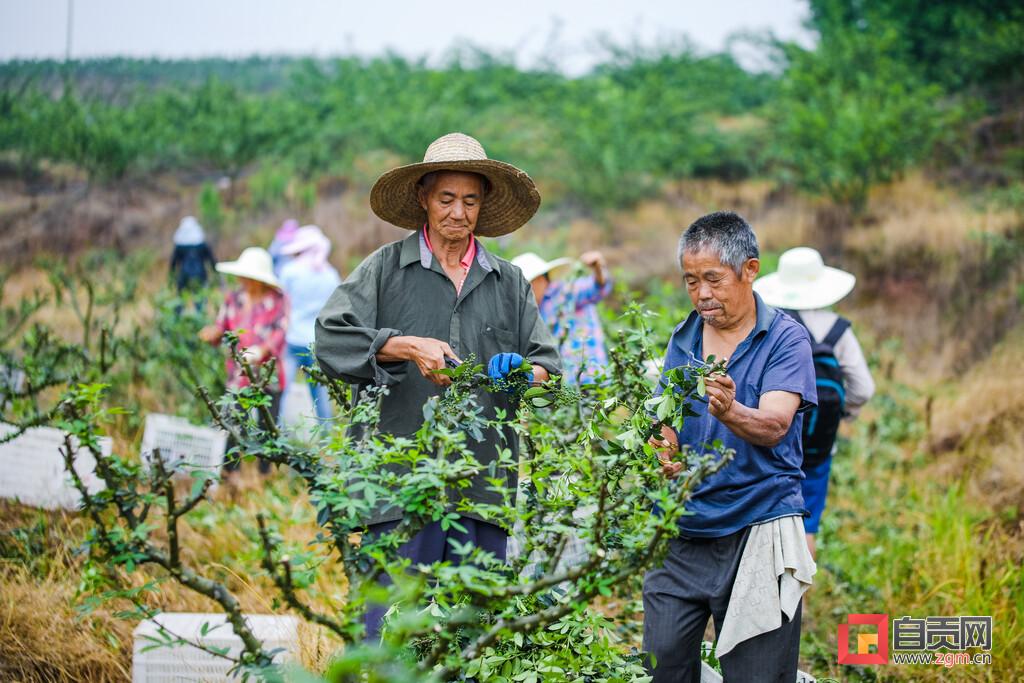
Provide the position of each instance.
(880, 640)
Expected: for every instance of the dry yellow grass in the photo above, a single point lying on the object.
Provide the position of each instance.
(642, 241)
(43, 639)
(978, 426)
(219, 539)
(914, 214)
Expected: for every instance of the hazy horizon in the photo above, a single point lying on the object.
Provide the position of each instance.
(568, 34)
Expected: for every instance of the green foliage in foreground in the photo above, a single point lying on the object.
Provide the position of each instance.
(589, 482)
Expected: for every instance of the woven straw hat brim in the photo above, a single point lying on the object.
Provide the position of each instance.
(831, 286)
(512, 200)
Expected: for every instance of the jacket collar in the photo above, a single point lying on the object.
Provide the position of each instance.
(414, 250)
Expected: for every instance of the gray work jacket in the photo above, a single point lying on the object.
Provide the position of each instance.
(401, 289)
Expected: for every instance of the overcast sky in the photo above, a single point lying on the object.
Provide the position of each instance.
(565, 29)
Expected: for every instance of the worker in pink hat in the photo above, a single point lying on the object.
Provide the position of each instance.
(308, 280)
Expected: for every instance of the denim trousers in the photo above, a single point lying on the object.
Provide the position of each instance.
(296, 357)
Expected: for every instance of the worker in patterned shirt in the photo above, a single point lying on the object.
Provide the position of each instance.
(569, 307)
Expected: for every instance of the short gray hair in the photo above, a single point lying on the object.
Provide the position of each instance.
(726, 234)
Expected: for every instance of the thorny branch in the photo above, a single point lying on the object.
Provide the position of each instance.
(147, 552)
(281, 574)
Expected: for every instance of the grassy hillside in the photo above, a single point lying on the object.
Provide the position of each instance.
(894, 146)
(924, 515)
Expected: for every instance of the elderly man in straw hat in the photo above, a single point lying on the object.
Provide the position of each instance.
(438, 296)
(805, 287)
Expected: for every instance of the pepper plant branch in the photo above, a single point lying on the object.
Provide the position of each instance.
(148, 553)
(282, 578)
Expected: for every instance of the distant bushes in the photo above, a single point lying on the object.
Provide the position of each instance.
(850, 116)
(856, 110)
(605, 139)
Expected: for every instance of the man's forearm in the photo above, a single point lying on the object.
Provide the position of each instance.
(395, 349)
(758, 427)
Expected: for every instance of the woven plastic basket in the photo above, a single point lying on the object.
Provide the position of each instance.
(174, 664)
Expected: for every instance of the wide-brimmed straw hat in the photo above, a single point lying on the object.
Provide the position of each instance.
(510, 202)
(533, 266)
(803, 282)
(254, 263)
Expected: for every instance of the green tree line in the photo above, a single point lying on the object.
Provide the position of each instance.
(884, 85)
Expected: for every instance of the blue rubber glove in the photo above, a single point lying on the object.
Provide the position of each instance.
(502, 364)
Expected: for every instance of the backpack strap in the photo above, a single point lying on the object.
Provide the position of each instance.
(795, 315)
(838, 330)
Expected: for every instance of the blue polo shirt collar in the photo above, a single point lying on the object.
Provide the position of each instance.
(687, 334)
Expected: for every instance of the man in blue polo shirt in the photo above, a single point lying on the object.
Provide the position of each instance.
(741, 556)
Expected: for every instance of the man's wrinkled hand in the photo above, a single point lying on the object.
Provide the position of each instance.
(427, 353)
(665, 450)
(721, 393)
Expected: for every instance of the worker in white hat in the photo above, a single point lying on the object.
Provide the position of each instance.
(805, 288)
(569, 307)
(257, 311)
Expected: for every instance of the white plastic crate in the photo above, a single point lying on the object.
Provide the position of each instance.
(183, 445)
(32, 468)
(179, 663)
(709, 675)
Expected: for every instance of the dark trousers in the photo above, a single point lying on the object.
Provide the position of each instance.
(694, 583)
(232, 462)
(431, 545)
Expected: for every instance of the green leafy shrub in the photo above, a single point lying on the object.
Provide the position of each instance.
(530, 617)
(850, 115)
